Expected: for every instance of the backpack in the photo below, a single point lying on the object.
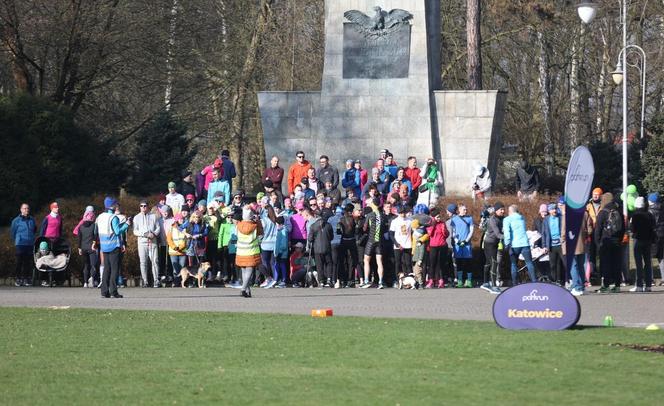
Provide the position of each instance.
(613, 227)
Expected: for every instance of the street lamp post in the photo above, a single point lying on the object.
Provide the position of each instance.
(618, 74)
(587, 12)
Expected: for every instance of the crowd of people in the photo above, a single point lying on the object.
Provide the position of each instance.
(368, 228)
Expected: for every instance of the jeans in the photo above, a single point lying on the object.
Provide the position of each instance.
(643, 263)
(527, 256)
(24, 264)
(281, 270)
(179, 262)
(267, 260)
(577, 272)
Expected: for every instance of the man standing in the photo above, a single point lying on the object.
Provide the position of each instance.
(413, 175)
(22, 233)
(147, 230)
(297, 171)
(174, 200)
(274, 174)
(401, 235)
(527, 181)
(493, 252)
(643, 230)
(110, 231)
(374, 226)
(552, 244)
(186, 186)
(480, 184)
(327, 172)
(228, 168)
(592, 208)
(319, 238)
(516, 241)
(219, 185)
(609, 232)
(351, 179)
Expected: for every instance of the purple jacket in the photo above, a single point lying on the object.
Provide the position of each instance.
(298, 227)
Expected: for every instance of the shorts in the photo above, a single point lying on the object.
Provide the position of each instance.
(373, 247)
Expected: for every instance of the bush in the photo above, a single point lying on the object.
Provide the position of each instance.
(653, 164)
(45, 155)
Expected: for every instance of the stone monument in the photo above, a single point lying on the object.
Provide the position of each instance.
(381, 81)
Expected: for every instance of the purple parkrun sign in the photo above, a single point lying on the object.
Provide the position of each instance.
(536, 306)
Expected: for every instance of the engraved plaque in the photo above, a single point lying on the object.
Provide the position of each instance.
(376, 57)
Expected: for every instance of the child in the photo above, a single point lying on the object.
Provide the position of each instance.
(462, 233)
(281, 252)
(420, 238)
(297, 262)
(227, 260)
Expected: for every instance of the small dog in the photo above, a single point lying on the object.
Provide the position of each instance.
(407, 281)
(200, 275)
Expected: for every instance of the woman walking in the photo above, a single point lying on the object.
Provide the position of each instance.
(248, 255)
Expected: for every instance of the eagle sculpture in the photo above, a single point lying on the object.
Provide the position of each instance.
(382, 23)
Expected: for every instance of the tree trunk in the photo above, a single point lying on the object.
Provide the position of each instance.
(239, 99)
(600, 93)
(545, 104)
(474, 41)
(168, 91)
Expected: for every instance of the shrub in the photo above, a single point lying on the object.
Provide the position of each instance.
(653, 163)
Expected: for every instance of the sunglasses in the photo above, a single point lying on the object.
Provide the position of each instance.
(300, 156)
(144, 205)
(190, 200)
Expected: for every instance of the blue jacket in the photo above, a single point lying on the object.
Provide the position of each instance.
(281, 244)
(351, 179)
(23, 230)
(514, 230)
(269, 232)
(222, 186)
(547, 241)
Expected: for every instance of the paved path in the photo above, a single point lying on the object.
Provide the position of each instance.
(627, 309)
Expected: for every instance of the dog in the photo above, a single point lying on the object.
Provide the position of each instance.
(407, 281)
(200, 274)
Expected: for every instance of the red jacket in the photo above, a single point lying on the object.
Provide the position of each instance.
(295, 174)
(413, 175)
(438, 234)
(276, 175)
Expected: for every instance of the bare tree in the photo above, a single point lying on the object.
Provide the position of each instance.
(474, 41)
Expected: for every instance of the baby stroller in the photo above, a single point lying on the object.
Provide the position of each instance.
(538, 255)
(56, 261)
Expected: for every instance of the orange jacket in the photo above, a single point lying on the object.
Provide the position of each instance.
(296, 172)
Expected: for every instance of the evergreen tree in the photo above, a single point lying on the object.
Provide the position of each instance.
(161, 153)
(653, 164)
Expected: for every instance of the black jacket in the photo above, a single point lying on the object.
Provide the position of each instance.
(602, 218)
(494, 230)
(643, 226)
(87, 234)
(320, 236)
(185, 189)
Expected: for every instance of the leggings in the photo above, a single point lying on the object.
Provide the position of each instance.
(610, 260)
(494, 261)
(346, 268)
(437, 261)
(247, 272)
(267, 260)
(90, 260)
(556, 259)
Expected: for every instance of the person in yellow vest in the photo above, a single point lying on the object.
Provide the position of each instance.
(176, 238)
(248, 255)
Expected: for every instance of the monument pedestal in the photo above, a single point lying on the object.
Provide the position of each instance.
(387, 99)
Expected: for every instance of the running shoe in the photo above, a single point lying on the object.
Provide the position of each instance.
(381, 285)
(468, 284)
(577, 292)
(615, 289)
(429, 284)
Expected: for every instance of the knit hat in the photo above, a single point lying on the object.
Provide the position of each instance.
(452, 208)
(299, 245)
(171, 185)
(561, 199)
(598, 190)
(498, 205)
(299, 205)
(259, 196)
(190, 197)
(543, 208)
(606, 199)
(349, 161)
(640, 202)
(43, 246)
(551, 206)
(217, 163)
(110, 202)
(653, 197)
(89, 209)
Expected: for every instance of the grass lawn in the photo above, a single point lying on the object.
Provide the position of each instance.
(134, 357)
